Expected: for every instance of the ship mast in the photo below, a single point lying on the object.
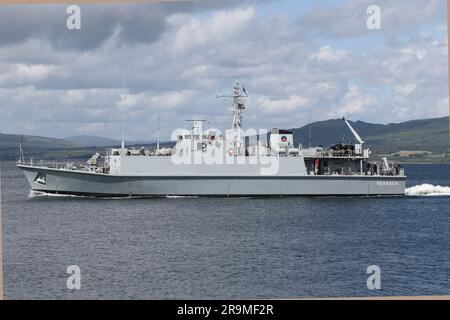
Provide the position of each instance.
(238, 95)
(123, 109)
(157, 133)
(21, 157)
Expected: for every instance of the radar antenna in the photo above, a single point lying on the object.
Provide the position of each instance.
(238, 95)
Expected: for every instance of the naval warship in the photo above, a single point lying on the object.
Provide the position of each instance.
(206, 162)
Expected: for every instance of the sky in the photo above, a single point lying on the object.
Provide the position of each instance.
(294, 57)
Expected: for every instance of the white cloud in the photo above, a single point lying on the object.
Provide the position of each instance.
(281, 106)
(418, 53)
(194, 33)
(286, 69)
(170, 100)
(20, 73)
(406, 90)
(349, 18)
(355, 101)
(327, 54)
(127, 100)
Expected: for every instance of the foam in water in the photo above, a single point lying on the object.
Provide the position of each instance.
(428, 190)
(37, 194)
(40, 194)
(180, 197)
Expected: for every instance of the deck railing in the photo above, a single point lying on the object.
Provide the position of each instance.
(66, 165)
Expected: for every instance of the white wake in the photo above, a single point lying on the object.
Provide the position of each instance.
(40, 194)
(428, 190)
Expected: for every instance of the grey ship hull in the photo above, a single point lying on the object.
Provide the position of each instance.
(105, 185)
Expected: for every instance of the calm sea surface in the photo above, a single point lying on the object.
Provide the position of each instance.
(202, 248)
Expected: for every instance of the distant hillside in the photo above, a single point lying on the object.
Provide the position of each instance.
(35, 142)
(9, 145)
(426, 135)
(95, 141)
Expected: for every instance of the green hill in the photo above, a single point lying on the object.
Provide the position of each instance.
(430, 135)
(9, 145)
(90, 141)
(36, 142)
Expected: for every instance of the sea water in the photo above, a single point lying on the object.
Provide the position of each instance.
(218, 248)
